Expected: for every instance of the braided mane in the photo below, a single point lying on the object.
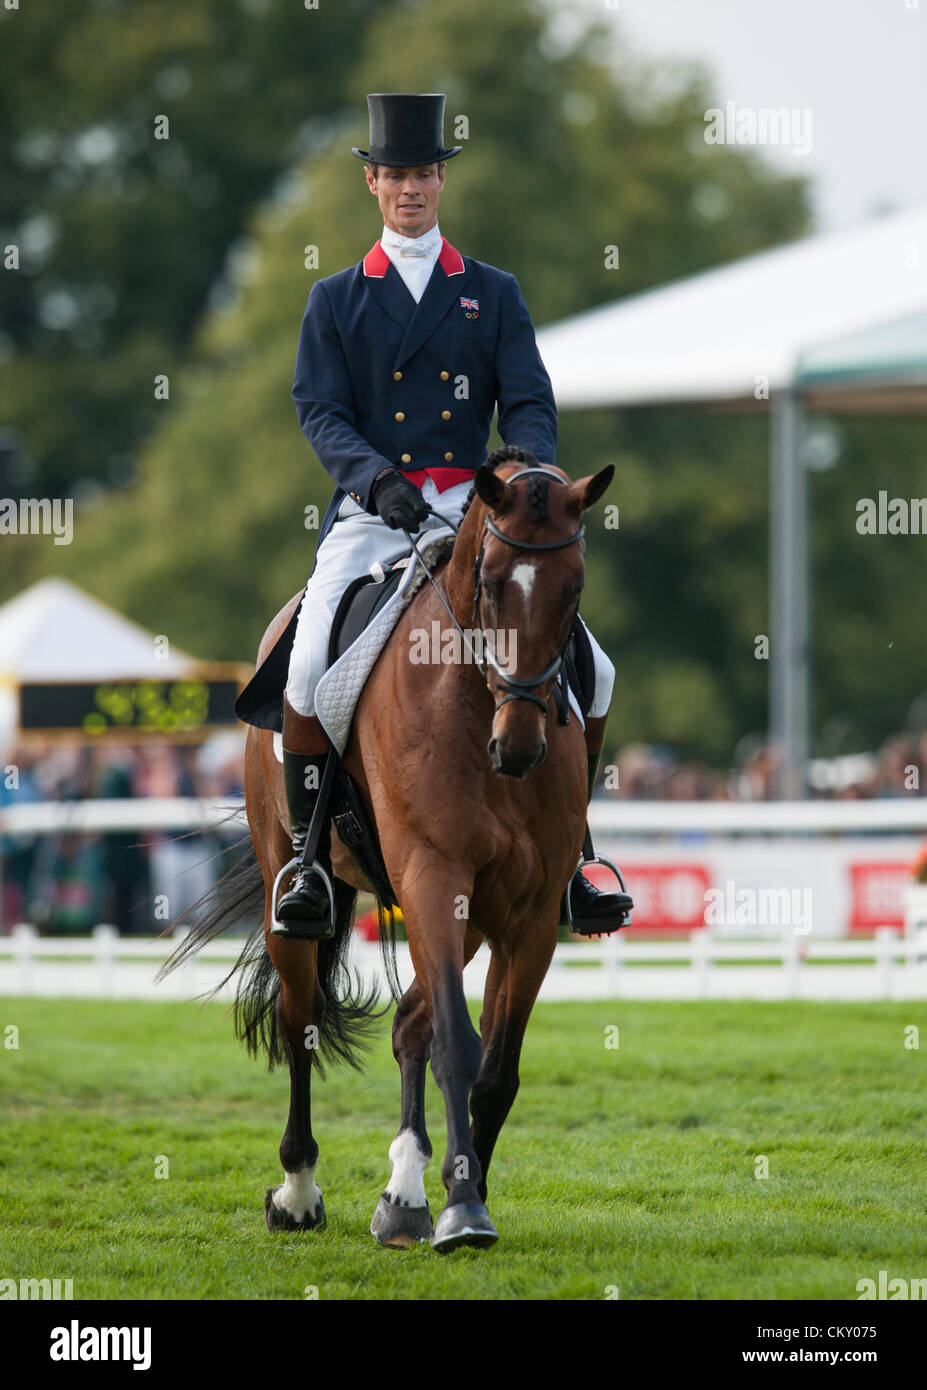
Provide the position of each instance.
(537, 487)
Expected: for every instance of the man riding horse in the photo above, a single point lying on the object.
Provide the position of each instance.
(402, 361)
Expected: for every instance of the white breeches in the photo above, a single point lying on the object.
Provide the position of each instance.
(355, 542)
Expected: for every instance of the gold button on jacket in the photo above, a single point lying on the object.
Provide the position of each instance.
(407, 458)
(400, 416)
(445, 414)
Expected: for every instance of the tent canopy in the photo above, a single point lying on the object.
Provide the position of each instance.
(831, 322)
(54, 631)
(717, 335)
(881, 369)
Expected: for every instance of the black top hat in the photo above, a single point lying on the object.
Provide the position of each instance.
(406, 130)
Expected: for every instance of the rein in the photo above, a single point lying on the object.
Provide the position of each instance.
(517, 687)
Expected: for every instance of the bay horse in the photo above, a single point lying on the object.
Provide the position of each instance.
(479, 799)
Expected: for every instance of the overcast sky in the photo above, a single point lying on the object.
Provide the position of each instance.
(858, 65)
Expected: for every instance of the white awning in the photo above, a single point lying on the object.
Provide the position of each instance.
(714, 336)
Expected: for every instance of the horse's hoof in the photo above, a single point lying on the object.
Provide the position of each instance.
(278, 1220)
(467, 1223)
(399, 1227)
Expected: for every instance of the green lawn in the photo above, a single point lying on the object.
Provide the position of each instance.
(632, 1167)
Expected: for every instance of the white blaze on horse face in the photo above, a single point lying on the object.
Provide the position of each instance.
(406, 1187)
(524, 575)
(298, 1195)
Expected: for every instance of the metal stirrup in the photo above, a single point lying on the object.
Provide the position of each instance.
(295, 863)
(594, 858)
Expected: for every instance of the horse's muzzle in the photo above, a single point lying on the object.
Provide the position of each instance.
(514, 758)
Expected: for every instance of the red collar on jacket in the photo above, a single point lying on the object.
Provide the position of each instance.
(377, 262)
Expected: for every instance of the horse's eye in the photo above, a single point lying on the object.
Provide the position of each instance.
(492, 589)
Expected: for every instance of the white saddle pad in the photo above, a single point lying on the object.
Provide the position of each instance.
(339, 690)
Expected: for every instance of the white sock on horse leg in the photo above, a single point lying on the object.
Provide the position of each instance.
(299, 1195)
(406, 1187)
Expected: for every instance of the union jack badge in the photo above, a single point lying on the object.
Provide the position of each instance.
(470, 307)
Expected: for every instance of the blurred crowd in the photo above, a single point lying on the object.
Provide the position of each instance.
(137, 880)
(140, 880)
(648, 772)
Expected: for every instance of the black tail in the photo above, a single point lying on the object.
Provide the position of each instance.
(350, 1013)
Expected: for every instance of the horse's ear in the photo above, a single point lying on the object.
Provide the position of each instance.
(489, 486)
(584, 493)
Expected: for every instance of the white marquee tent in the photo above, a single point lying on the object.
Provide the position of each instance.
(711, 337)
(835, 322)
(54, 631)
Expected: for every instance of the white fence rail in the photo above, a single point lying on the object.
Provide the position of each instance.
(609, 817)
(757, 817)
(107, 966)
(98, 817)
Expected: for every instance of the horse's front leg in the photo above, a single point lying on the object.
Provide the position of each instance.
(431, 903)
(512, 987)
(297, 1204)
(403, 1216)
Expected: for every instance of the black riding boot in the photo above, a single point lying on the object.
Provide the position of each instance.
(595, 913)
(304, 910)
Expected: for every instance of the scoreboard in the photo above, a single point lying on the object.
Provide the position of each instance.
(128, 710)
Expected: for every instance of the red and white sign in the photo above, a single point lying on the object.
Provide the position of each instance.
(878, 895)
(848, 895)
(667, 897)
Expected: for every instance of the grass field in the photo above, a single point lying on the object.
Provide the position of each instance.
(632, 1167)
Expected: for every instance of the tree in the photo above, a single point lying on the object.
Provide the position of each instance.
(563, 159)
(135, 142)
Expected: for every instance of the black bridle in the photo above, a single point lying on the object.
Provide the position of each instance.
(517, 687)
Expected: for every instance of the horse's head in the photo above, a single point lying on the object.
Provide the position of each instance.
(529, 574)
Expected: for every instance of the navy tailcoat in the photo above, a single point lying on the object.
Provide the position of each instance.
(381, 380)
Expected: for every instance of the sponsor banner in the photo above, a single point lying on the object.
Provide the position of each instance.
(878, 894)
(667, 897)
(823, 887)
(846, 884)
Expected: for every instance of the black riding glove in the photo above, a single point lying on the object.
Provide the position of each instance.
(399, 502)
